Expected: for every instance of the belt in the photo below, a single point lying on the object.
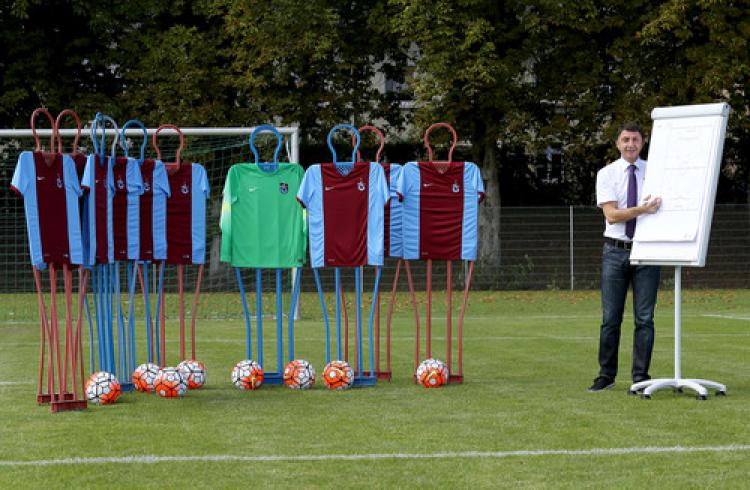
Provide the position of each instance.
(618, 243)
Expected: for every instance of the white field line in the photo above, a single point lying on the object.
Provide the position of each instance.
(727, 317)
(14, 383)
(155, 459)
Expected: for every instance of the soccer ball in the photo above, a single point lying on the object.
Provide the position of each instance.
(194, 372)
(299, 374)
(338, 375)
(102, 388)
(144, 377)
(247, 375)
(170, 383)
(432, 373)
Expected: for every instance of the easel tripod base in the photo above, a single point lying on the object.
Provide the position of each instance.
(699, 386)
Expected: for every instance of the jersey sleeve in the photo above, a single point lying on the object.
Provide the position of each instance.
(133, 176)
(161, 181)
(23, 174)
(203, 180)
(88, 173)
(310, 181)
(476, 181)
(225, 220)
(395, 175)
(111, 175)
(71, 175)
(402, 184)
(605, 188)
(382, 183)
(230, 186)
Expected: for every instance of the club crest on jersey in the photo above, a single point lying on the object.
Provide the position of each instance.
(184, 188)
(59, 182)
(360, 185)
(283, 187)
(120, 183)
(146, 186)
(455, 187)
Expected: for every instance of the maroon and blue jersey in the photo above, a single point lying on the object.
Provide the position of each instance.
(125, 208)
(50, 191)
(186, 215)
(98, 179)
(345, 208)
(440, 210)
(153, 211)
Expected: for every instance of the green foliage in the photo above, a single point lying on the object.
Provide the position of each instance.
(204, 63)
(513, 76)
(309, 63)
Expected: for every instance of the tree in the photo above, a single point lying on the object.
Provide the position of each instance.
(156, 61)
(707, 59)
(468, 67)
(309, 63)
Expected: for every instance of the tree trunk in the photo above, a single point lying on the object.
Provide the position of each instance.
(489, 211)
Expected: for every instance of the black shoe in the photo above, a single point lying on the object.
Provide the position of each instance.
(602, 383)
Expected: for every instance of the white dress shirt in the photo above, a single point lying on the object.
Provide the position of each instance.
(612, 186)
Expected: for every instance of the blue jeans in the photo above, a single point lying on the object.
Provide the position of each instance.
(617, 276)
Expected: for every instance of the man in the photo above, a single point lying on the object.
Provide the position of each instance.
(618, 192)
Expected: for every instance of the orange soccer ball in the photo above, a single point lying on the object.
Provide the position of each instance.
(299, 375)
(432, 373)
(194, 373)
(338, 375)
(170, 383)
(144, 377)
(102, 388)
(247, 375)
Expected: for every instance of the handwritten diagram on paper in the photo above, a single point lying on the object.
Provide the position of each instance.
(677, 171)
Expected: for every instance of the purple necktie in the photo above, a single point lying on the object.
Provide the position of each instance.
(632, 200)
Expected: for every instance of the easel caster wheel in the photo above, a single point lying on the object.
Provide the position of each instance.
(677, 390)
(632, 392)
(721, 393)
(644, 396)
(701, 397)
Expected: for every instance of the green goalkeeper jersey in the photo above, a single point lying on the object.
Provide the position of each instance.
(262, 224)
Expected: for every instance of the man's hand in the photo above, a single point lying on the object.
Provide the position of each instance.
(650, 206)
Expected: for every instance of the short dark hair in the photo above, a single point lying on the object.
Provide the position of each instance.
(632, 127)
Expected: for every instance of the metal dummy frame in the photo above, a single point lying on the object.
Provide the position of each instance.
(361, 378)
(106, 285)
(137, 270)
(59, 370)
(126, 338)
(269, 377)
(79, 159)
(387, 373)
(457, 376)
(161, 320)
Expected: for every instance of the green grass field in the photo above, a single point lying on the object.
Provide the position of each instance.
(523, 417)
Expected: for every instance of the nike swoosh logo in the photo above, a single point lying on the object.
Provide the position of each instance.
(252, 189)
(427, 185)
(40, 178)
(330, 188)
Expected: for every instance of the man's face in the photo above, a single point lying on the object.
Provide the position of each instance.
(630, 143)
